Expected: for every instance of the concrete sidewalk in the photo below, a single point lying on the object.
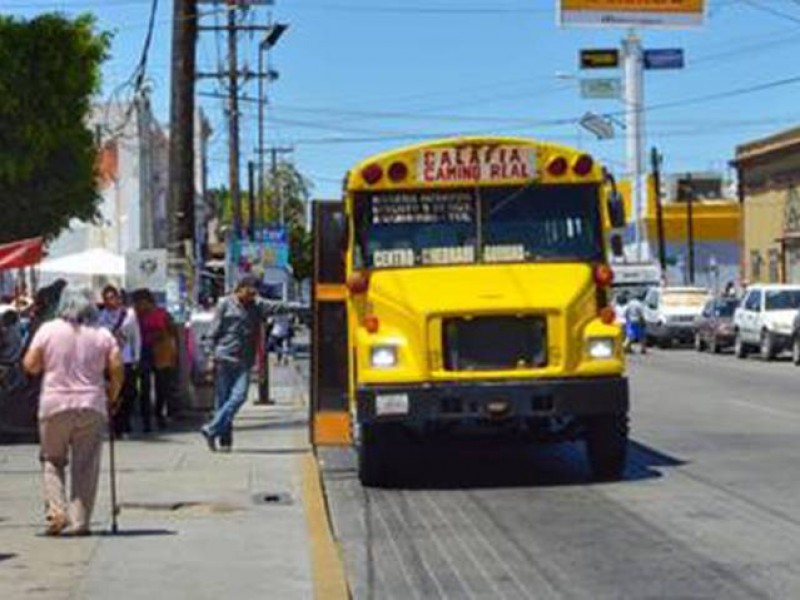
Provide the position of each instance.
(193, 524)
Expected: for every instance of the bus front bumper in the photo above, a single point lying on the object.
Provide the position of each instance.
(422, 404)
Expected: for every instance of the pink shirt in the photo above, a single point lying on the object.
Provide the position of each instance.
(75, 359)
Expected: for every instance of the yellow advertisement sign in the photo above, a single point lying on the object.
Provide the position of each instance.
(632, 13)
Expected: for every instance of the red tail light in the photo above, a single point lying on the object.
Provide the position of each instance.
(603, 276)
(372, 173)
(372, 324)
(583, 165)
(607, 315)
(398, 171)
(358, 282)
(557, 166)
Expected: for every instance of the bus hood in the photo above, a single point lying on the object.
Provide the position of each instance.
(480, 289)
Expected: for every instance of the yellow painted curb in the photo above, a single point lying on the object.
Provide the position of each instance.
(327, 567)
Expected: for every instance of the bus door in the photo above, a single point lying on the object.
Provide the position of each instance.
(330, 410)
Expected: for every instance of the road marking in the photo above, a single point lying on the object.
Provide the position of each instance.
(327, 567)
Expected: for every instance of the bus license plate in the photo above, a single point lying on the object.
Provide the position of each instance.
(391, 404)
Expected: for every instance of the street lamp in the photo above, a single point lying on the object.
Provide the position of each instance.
(271, 37)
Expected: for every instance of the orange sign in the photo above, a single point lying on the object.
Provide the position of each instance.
(633, 13)
(476, 164)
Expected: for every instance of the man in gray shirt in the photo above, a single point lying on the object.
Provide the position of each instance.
(235, 333)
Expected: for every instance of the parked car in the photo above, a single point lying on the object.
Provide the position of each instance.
(714, 327)
(765, 319)
(670, 313)
(796, 339)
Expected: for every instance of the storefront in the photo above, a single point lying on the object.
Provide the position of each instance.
(769, 189)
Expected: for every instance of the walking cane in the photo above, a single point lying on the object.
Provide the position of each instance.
(113, 477)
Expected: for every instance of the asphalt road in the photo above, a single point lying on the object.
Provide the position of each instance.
(710, 506)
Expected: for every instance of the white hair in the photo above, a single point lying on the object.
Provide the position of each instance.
(77, 306)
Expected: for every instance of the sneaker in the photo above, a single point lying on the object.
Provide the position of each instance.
(206, 433)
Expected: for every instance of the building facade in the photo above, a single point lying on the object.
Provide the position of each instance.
(769, 180)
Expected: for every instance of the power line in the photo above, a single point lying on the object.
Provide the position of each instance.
(771, 10)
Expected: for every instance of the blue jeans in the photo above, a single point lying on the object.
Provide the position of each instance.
(231, 383)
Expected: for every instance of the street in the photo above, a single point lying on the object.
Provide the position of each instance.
(708, 508)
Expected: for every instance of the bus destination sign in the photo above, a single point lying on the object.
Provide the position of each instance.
(476, 164)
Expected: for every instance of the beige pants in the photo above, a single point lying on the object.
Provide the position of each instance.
(76, 436)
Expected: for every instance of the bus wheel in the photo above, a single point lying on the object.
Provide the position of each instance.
(377, 454)
(607, 446)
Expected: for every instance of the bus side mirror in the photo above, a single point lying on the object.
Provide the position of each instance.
(616, 211)
(617, 248)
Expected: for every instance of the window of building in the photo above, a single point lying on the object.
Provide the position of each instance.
(755, 266)
(774, 266)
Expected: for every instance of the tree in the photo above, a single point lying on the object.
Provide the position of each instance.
(50, 72)
(286, 185)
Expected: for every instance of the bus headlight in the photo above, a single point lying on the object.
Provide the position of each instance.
(383, 357)
(600, 348)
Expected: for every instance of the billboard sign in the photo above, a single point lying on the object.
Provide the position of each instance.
(601, 88)
(269, 250)
(663, 58)
(599, 58)
(632, 13)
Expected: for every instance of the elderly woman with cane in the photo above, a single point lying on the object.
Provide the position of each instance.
(82, 375)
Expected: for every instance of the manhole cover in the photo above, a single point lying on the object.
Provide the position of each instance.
(273, 499)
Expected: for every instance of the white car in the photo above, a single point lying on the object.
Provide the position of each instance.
(670, 313)
(765, 318)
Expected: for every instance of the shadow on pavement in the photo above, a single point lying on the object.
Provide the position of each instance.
(135, 533)
(273, 451)
(458, 464)
(7, 556)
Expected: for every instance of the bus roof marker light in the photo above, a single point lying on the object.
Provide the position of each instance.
(372, 173)
(557, 166)
(583, 165)
(398, 171)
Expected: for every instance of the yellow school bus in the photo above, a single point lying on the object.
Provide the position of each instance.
(463, 284)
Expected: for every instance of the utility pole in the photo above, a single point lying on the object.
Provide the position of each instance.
(274, 151)
(143, 122)
(690, 225)
(180, 200)
(633, 66)
(656, 160)
(251, 200)
(233, 121)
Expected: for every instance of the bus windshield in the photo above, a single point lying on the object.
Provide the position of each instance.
(478, 225)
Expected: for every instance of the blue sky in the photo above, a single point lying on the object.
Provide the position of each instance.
(362, 76)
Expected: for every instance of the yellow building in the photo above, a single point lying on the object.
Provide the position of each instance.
(716, 229)
(769, 178)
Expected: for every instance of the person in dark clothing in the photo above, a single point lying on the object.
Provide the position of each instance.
(234, 333)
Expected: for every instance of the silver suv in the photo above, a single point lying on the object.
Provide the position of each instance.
(670, 313)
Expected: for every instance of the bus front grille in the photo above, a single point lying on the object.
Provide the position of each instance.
(496, 343)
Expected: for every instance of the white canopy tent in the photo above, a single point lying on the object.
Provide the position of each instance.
(95, 266)
(92, 262)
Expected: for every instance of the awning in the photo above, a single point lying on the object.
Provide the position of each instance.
(23, 253)
(92, 262)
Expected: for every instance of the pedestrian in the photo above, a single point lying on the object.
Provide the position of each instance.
(280, 337)
(10, 350)
(635, 329)
(121, 321)
(159, 357)
(74, 355)
(234, 334)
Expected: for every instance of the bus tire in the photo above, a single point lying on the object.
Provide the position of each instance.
(377, 454)
(607, 446)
